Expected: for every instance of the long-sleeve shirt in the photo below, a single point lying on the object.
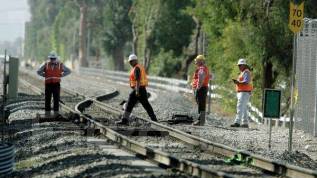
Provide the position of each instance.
(41, 70)
(246, 77)
(201, 77)
(137, 73)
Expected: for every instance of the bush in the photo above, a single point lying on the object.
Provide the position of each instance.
(165, 64)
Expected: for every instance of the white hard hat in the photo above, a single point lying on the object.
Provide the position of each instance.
(132, 57)
(52, 55)
(242, 62)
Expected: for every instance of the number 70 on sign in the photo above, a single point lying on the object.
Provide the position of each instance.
(296, 15)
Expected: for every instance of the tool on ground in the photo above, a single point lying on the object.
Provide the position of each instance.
(180, 119)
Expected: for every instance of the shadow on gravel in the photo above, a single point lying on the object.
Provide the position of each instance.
(113, 169)
(25, 135)
(68, 162)
(30, 125)
(22, 94)
(221, 163)
(244, 173)
(25, 122)
(298, 158)
(24, 130)
(63, 146)
(36, 132)
(208, 162)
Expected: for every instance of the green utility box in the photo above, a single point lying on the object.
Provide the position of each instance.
(272, 103)
(13, 78)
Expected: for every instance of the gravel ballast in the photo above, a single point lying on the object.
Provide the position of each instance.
(254, 139)
(60, 149)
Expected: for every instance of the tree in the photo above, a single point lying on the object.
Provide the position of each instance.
(39, 29)
(245, 29)
(144, 14)
(161, 27)
(82, 36)
(83, 61)
(192, 50)
(173, 27)
(117, 30)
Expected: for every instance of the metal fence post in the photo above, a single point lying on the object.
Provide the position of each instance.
(209, 97)
(4, 94)
(13, 77)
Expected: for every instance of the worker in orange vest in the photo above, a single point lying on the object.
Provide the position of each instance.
(200, 88)
(244, 88)
(52, 70)
(138, 83)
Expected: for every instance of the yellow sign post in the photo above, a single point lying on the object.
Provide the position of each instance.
(296, 23)
(296, 16)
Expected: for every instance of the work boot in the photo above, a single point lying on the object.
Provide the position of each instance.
(126, 114)
(55, 114)
(201, 119)
(123, 121)
(124, 118)
(154, 119)
(47, 114)
(235, 125)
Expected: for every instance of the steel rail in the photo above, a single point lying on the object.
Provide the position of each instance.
(211, 147)
(161, 158)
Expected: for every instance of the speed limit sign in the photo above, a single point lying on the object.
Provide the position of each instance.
(296, 16)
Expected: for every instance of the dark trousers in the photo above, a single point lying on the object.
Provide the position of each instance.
(52, 89)
(201, 95)
(142, 98)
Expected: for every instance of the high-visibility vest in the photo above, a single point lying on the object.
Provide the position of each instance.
(53, 72)
(195, 77)
(143, 77)
(244, 87)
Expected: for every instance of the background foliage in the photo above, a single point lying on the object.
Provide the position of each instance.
(168, 34)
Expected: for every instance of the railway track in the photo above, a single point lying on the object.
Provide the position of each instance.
(218, 149)
(163, 159)
(202, 145)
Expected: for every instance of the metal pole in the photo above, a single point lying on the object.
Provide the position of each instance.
(4, 94)
(291, 122)
(203, 41)
(270, 132)
(88, 46)
(209, 97)
(5, 76)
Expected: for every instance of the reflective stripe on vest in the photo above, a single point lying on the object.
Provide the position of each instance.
(53, 73)
(244, 87)
(143, 77)
(195, 77)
